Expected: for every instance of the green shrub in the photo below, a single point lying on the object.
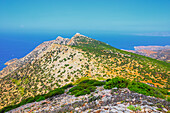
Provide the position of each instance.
(67, 86)
(40, 98)
(85, 87)
(159, 109)
(81, 79)
(30, 99)
(98, 83)
(91, 88)
(54, 92)
(108, 80)
(168, 99)
(116, 82)
(131, 107)
(75, 88)
(145, 89)
(138, 87)
(164, 91)
(138, 108)
(70, 67)
(83, 92)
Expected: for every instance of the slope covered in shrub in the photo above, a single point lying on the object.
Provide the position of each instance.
(85, 87)
(116, 82)
(146, 89)
(138, 87)
(35, 99)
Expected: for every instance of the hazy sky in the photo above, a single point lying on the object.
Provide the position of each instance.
(84, 15)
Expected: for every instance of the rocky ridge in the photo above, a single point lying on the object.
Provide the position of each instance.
(101, 101)
(35, 54)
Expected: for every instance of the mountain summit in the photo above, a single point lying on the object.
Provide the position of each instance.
(55, 63)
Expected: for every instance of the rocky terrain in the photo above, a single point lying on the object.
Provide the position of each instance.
(55, 63)
(101, 101)
(156, 52)
(35, 54)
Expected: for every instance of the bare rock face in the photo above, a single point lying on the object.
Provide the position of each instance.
(60, 40)
(72, 41)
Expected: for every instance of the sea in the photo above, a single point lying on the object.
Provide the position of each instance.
(19, 45)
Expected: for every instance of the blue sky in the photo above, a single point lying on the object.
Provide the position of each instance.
(49, 16)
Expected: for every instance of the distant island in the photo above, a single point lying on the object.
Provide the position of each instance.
(156, 52)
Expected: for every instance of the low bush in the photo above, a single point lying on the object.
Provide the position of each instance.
(168, 99)
(54, 92)
(131, 107)
(85, 87)
(91, 88)
(40, 98)
(76, 88)
(67, 86)
(138, 87)
(145, 89)
(83, 92)
(116, 82)
(98, 83)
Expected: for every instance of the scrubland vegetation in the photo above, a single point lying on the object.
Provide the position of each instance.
(87, 58)
(83, 87)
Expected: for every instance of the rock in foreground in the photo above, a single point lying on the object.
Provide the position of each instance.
(101, 101)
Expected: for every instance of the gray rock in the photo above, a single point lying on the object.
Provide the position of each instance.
(144, 102)
(164, 109)
(120, 112)
(113, 110)
(128, 110)
(150, 103)
(77, 109)
(121, 105)
(103, 111)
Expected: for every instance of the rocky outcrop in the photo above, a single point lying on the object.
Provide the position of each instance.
(60, 40)
(73, 39)
(101, 101)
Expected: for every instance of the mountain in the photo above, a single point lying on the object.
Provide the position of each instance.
(56, 63)
(156, 52)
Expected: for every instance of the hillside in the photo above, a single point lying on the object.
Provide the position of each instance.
(58, 62)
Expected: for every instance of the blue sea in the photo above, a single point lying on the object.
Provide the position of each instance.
(19, 45)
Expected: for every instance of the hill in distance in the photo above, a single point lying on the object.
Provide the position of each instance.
(56, 63)
(156, 52)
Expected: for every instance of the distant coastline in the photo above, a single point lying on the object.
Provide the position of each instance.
(156, 52)
(163, 34)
